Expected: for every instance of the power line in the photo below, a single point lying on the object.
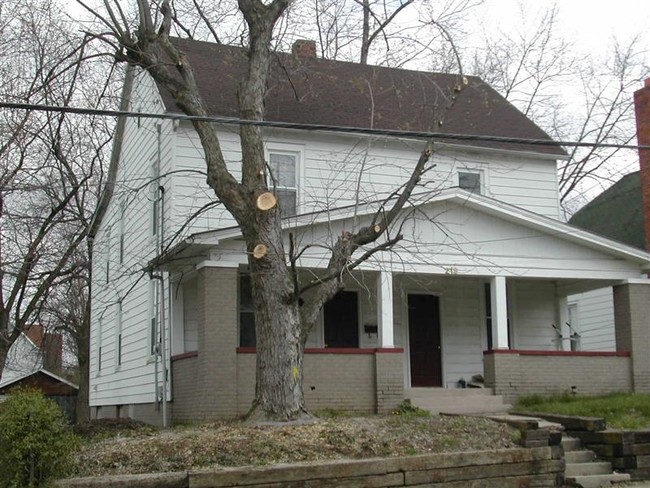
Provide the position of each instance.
(313, 127)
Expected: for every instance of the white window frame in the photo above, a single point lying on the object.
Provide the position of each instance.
(121, 241)
(479, 169)
(291, 150)
(154, 314)
(99, 346)
(118, 335)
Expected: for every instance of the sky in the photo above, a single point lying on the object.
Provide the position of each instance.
(589, 23)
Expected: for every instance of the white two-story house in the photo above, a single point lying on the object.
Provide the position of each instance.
(477, 286)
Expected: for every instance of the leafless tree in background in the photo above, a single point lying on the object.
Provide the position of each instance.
(51, 165)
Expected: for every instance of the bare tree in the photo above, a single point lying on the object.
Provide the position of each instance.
(574, 97)
(284, 311)
(51, 165)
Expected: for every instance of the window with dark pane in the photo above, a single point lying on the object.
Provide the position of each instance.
(341, 320)
(283, 170)
(246, 312)
(469, 181)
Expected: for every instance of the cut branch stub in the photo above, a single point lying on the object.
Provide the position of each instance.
(260, 251)
(377, 228)
(266, 201)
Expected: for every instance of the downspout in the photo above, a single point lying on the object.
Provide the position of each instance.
(162, 346)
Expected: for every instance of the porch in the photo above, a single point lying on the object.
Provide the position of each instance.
(422, 316)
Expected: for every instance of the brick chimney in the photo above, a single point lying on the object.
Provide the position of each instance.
(642, 109)
(304, 48)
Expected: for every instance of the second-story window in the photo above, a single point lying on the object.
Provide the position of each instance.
(283, 170)
(470, 181)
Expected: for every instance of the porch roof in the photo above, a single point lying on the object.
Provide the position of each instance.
(473, 234)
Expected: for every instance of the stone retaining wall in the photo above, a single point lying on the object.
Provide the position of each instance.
(628, 451)
(539, 467)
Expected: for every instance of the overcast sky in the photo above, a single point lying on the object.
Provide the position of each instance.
(589, 23)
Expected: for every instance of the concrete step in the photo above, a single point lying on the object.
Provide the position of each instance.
(584, 456)
(446, 392)
(587, 469)
(452, 402)
(476, 410)
(571, 444)
(597, 481)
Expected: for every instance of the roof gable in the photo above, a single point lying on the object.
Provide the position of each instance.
(307, 90)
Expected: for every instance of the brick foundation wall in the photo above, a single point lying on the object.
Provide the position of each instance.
(513, 373)
(145, 412)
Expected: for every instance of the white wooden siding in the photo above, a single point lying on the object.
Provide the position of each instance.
(133, 380)
(596, 317)
(533, 312)
(339, 170)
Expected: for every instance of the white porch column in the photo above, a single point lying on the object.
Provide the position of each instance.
(385, 309)
(499, 312)
(564, 342)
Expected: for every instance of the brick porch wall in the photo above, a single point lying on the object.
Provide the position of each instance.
(513, 373)
(632, 319)
(362, 380)
(184, 386)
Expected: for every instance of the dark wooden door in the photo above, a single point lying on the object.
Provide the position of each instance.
(424, 340)
(341, 317)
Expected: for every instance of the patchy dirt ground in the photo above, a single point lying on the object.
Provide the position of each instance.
(141, 450)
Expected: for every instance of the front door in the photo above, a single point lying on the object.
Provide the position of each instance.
(424, 340)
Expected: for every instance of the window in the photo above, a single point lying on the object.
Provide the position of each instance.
(118, 334)
(108, 255)
(283, 171)
(246, 312)
(470, 181)
(99, 348)
(121, 229)
(190, 317)
(153, 317)
(154, 197)
(341, 320)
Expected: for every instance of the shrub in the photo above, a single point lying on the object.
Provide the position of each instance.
(35, 440)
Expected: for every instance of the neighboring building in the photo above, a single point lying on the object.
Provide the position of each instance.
(617, 213)
(479, 284)
(35, 361)
(33, 350)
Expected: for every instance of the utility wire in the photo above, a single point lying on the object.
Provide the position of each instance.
(313, 127)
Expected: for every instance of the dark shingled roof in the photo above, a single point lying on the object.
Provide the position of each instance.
(317, 91)
(617, 213)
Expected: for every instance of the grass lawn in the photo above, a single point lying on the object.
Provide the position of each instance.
(620, 410)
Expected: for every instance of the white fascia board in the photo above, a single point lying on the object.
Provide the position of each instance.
(44, 371)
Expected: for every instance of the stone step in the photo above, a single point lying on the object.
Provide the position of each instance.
(482, 410)
(453, 402)
(446, 392)
(598, 480)
(587, 469)
(571, 444)
(584, 456)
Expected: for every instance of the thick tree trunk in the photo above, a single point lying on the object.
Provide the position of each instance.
(278, 389)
